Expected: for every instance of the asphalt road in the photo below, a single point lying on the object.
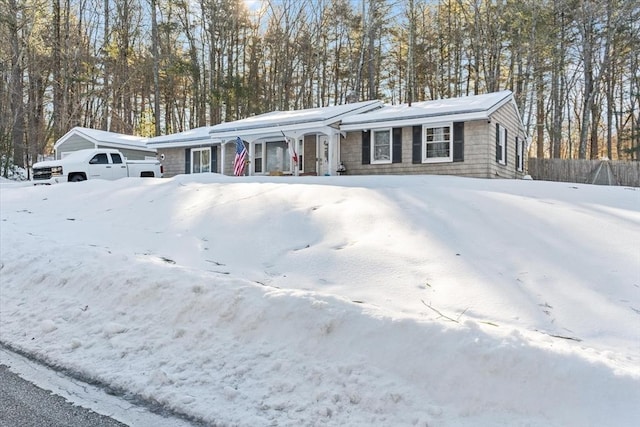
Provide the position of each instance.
(22, 404)
(26, 400)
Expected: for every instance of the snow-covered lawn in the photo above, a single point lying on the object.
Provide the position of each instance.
(359, 301)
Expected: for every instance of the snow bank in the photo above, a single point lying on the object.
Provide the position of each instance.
(334, 301)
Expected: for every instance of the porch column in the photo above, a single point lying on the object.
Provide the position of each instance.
(222, 156)
(291, 139)
(334, 151)
(252, 156)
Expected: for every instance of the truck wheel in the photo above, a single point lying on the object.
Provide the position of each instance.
(77, 178)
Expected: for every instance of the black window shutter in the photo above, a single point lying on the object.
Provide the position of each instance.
(187, 160)
(498, 152)
(366, 147)
(505, 145)
(396, 154)
(416, 156)
(214, 159)
(458, 142)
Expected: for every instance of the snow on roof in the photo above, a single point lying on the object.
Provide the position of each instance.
(187, 138)
(268, 123)
(107, 138)
(322, 116)
(478, 106)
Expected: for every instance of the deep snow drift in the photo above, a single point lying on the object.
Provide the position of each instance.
(355, 301)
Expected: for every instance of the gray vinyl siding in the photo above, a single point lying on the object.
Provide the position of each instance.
(507, 117)
(309, 154)
(229, 157)
(479, 152)
(173, 162)
(175, 159)
(475, 164)
(74, 143)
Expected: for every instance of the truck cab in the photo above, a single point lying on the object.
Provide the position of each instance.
(107, 166)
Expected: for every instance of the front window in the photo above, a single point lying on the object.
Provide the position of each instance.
(257, 158)
(201, 160)
(381, 146)
(277, 157)
(438, 144)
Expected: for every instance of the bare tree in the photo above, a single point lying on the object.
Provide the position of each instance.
(557, 71)
(15, 84)
(156, 67)
(587, 31)
(411, 63)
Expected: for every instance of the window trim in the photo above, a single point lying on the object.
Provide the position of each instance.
(426, 159)
(200, 150)
(390, 144)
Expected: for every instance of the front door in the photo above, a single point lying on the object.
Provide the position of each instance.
(201, 160)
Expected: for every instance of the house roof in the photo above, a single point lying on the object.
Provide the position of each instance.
(271, 124)
(189, 138)
(465, 108)
(106, 139)
(277, 122)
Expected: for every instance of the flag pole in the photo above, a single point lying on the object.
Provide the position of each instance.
(293, 155)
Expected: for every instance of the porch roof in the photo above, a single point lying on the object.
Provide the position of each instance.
(189, 138)
(275, 123)
(465, 108)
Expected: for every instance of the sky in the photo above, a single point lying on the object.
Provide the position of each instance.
(347, 300)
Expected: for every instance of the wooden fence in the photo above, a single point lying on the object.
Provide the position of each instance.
(585, 171)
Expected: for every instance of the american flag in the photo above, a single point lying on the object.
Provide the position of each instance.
(241, 158)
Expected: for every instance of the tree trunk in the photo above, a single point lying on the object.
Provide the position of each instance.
(557, 90)
(156, 68)
(106, 65)
(586, 27)
(540, 114)
(58, 86)
(16, 86)
(411, 65)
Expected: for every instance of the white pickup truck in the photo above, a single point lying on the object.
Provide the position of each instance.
(100, 163)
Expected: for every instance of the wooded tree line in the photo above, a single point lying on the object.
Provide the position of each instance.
(151, 67)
